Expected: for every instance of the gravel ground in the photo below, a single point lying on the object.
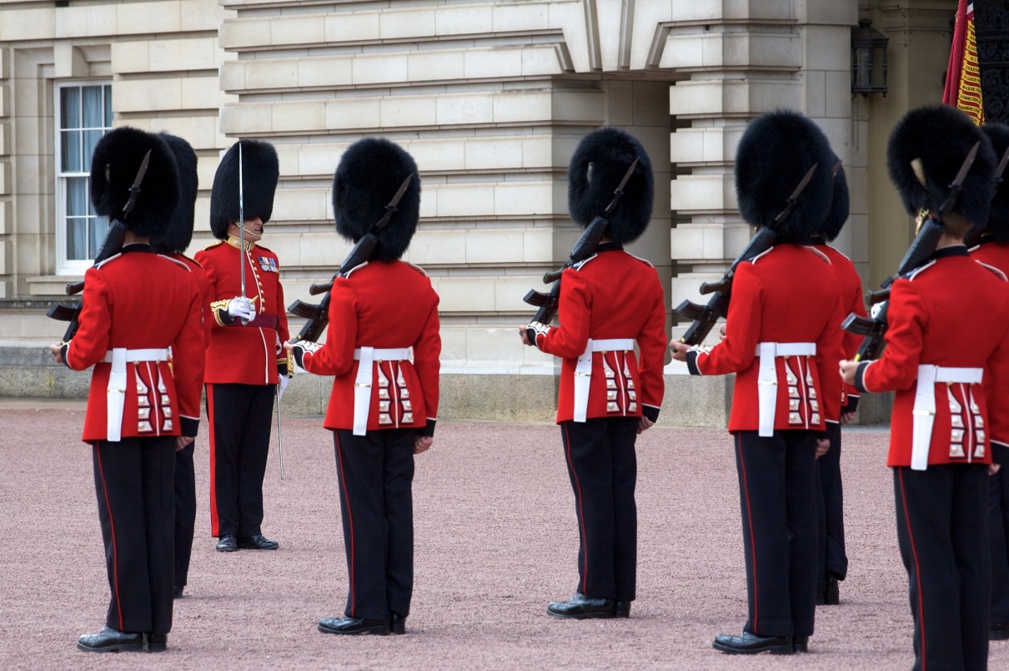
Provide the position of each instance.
(495, 541)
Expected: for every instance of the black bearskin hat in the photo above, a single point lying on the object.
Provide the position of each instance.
(260, 172)
(775, 153)
(924, 154)
(597, 166)
(839, 204)
(998, 220)
(179, 232)
(114, 165)
(367, 178)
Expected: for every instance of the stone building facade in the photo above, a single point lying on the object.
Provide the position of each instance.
(490, 97)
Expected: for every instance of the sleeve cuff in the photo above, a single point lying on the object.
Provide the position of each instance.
(190, 426)
(860, 375)
(428, 429)
(692, 362)
(650, 411)
(851, 405)
(64, 351)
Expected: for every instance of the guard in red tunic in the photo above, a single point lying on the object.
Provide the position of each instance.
(993, 250)
(947, 334)
(246, 363)
(137, 308)
(608, 303)
(781, 332)
(833, 563)
(172, 242)
(382, 347)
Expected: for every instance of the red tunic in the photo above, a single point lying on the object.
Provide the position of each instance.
(851, 302)
(385, 305)
(204, 285)
(611, 295)
(788, 294)
(996, 383)
(140, 300)
(951, 312)
(245, 354)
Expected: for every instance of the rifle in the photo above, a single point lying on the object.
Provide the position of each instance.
(318, 314)
(583, 249)
(704, 317)
(111, 246)
(922, 248)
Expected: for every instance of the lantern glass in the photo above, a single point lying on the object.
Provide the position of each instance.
(868, 60)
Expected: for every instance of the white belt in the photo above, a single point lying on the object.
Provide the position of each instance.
(362, 384)
(583, 370)
(924, 406)
(767, 378)
(116, 391)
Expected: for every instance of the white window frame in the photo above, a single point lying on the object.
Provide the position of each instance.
(65, 266)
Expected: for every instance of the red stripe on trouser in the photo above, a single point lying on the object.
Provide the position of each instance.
(112, 527)
(749, 520)
(214, 525)
(917, 566)
(350, 520)
(581, 514)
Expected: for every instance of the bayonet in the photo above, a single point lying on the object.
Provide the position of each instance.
(135, 188)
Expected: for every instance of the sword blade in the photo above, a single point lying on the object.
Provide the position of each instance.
(241, 215)
(280, 436)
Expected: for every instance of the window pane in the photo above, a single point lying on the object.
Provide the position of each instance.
(76, 239)
(70, 107)
(91, 138)
(92, 103)
(70, 142)
(77, 197)
(108, 106)
(99, 227)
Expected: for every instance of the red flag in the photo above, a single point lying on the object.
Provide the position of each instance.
(963, 75)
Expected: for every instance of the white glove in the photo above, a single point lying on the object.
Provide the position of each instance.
(282, 385)
(239, 307)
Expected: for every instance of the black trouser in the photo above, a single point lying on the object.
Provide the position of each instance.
(603, 469)
(942, 530)
(777, 489)
(375, 474)
(136, 506)
(833, 562)
(185, 511)
(241, 417)
(998, 528)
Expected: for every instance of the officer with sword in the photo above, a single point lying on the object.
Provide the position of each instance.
(246, 363)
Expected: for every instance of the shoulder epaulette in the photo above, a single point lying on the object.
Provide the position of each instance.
(762, 254)
(177, 262)
(417, 268)
(111, 258)
(352, 270)
(995, 270)
(580, 264)
(265, 249)
(214, 244)
(917, 271)
(644, 261)
(820, 254)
